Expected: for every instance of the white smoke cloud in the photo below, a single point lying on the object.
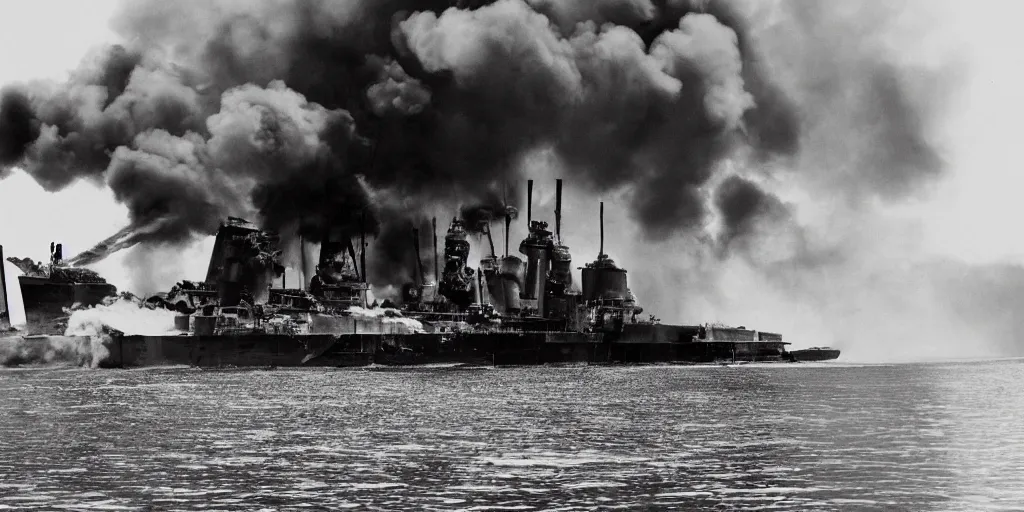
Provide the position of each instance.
(47, 350)
(123, 315)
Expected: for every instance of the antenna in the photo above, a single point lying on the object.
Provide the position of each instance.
(601, 251)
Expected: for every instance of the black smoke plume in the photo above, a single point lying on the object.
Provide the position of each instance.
(742, 205)
(492, 208)
(445, 101)
(304, 114)
(18, 126)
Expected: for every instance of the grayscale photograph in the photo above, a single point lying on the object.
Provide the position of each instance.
(511, 255)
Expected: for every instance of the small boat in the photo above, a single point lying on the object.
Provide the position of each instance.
(815, 354)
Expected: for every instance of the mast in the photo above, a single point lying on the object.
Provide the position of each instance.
(508, 217)
(508, 224)
(490, 240)
(529, 203)
(558, 210)
(601, 251)
(437, 276)
(302, 260)
(362, 242)
(480, 287)
(419, 261)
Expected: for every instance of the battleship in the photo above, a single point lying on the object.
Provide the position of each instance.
(507, 310)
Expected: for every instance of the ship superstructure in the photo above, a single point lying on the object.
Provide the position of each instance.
(50, 291)
(245, 261)
(336, 282)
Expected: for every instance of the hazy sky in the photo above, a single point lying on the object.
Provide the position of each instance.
(972, 215)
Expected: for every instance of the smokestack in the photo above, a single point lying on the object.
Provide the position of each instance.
(601, 251)
(437, 275)
(558, 210)
(5, 308)
(362, 248)
(529, 203)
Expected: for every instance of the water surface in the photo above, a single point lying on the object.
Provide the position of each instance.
(783, 437)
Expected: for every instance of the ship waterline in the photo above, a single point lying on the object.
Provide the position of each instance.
(350, 350)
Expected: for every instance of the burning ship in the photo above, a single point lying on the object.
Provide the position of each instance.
(507, 311)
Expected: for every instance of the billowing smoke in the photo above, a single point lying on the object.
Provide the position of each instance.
(738, 136)
(808, 243)
(17, 127)
(292, 111)
(743, 208)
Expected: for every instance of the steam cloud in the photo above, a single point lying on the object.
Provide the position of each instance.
(303, 114)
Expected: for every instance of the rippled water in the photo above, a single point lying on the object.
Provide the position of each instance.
(787, 437)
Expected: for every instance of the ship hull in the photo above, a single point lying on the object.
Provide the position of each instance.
(315, 350)
(47, 350)
(45, 301)
(815, 354)
(491, 349)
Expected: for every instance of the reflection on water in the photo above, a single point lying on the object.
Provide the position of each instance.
(790, 437)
